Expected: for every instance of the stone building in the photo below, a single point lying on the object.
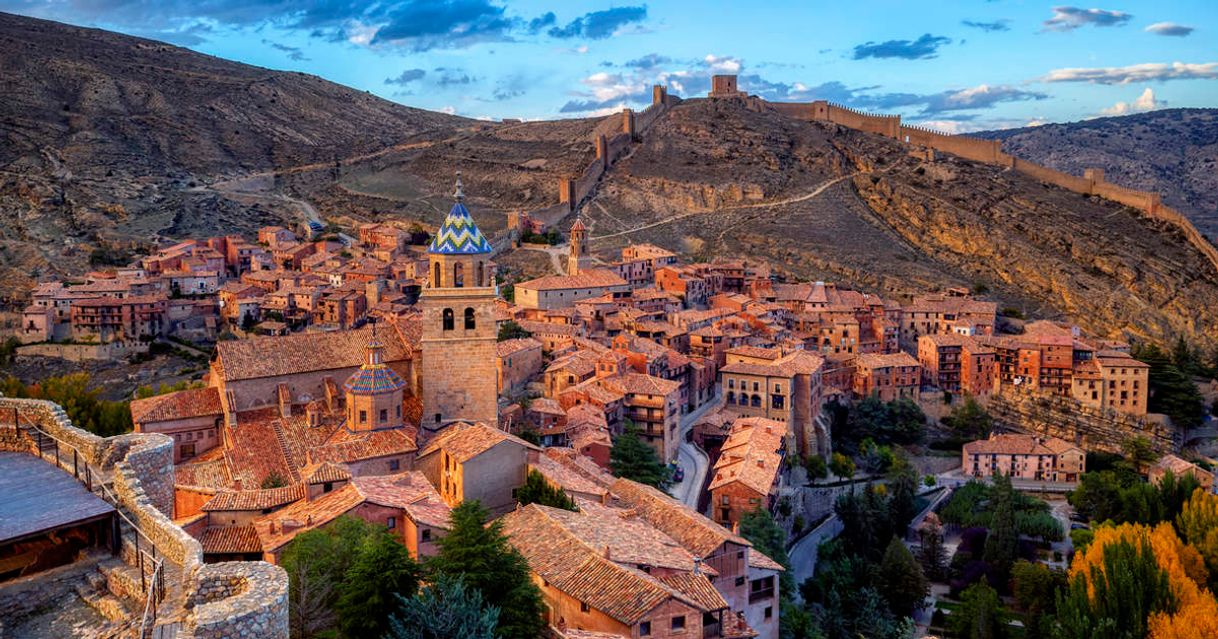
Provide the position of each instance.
(760, 382)
(889, 377)
(517, 361)
(1113, 380)
(956, 364)
(1024, 457)
(458, 341)
(476, 461)
(579, 259)
(193, 418)
(748, 472)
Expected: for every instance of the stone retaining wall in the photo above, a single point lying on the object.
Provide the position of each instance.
(240, 599)
(1065, 418)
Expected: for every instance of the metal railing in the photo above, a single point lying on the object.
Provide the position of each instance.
(95, 482)
(153, 596)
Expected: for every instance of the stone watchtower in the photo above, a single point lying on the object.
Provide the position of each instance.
(374, 392)
(458, 377)
(578, 260)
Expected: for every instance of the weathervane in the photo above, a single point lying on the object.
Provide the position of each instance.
(460, 194)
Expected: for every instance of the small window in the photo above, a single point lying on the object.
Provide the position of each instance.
(391, 523)
(426, 535)
(363, 417)
(469, 319)
(584, 607)
(644, 628)
(327, 487)
(384, 415)
(769, 612)
(678, 623)
(448, 319)
(394, 464)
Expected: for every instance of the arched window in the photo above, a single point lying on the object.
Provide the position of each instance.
(458, 275)
(448, 319)
(469, 319)
(480, 281)
(756, 401)
(435, 278)
(731, 397)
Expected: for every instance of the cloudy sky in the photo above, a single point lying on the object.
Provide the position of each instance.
(956, 66)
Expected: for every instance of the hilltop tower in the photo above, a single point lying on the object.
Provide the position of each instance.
(578, 259)
(374, 392)
(458, 342)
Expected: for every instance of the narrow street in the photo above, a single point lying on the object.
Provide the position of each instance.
(692, 459)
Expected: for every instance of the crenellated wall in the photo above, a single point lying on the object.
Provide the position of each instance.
(139, 467)
(990, 152)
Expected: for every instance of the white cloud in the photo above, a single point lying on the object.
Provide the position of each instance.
(451, 110)
(1169, 29)
(723, 64)
(1149, 72)
(1144, 102)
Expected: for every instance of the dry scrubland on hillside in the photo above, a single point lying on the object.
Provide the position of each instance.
(107, 138)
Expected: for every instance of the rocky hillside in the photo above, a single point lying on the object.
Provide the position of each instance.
(108, 139)
(821, 201)
(105, 137)
(1172, 151)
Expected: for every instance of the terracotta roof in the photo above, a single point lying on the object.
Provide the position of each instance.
(255, 499)
(183, 404)
(796, 363)
(576, 462)
(208, 470)
(410, 491)
(873, 361)
(302, 353)
(750, 455)
(230, 540)
(640, 384)
(511, 346)
(305, 515)
(348, 446)
(697, 587)
(697, 533)
(592, 278)
(565, 477)
(1015, 444)
(328, 472)
(464, 440)
(555, 554)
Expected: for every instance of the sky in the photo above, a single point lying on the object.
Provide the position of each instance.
(955, 66)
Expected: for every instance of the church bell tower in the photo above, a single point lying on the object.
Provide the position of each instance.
(459, 381)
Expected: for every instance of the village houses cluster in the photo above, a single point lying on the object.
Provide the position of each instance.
(370, 380)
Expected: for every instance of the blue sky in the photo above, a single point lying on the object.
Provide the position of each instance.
(956, 66)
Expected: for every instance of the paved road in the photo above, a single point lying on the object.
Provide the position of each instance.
(803, 553)
(692, 459)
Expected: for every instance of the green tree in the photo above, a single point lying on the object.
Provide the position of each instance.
(480, 553)
(82, 403)
(969, 421)
(381, 571)
(901, 579)
(634, 459)
(906, 423)
(1035, 588)
(903, 489)
(1114, 600)
(816, 466)
(931, 552)
(536, 490)
(444, 609)
(841, 466)
(1139, 453)
(511, 330)
(317, 562)
(977, 617)
(1172, 391)
(1002, 544)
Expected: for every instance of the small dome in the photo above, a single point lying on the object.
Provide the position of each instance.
(374, 380)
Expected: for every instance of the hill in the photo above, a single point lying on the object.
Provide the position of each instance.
(713, 178)
(160, 142)
(1171, 151)
(104, 136)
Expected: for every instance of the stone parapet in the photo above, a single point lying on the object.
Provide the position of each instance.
(240, 599)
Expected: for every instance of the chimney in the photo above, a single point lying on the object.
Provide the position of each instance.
(607, 552)
(697, 565)
(761, 463)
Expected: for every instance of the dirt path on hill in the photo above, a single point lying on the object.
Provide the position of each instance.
(756, 205)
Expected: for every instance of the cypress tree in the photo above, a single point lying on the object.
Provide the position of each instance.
(479, 552)
(901, 579)
(632, 458)
(1002, 544)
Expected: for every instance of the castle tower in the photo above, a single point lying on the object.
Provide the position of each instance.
(374, 392)
(578, 260)
(459, 381)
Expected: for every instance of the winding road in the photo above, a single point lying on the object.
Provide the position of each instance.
(692, 459)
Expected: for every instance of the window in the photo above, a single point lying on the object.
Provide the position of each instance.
(384, 415)
(435, 278)
(731, 383)
(731, 397)
(391, 523)
(678, 623)
(469, 319)
(644, 628)
(756, 401)
(438, 419)
(480, 281)
(327, 487)
(584, 607)
(776, 401)
(739, 581)
(394, 464)
(426, 535)
(399, 410)
(448, 319)
(458, 275)
(363, 417)
(769, 612)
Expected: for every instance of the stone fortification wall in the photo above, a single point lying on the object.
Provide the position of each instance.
(1065, 418)
(240, 599)
(990, 152)
(139, 468)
